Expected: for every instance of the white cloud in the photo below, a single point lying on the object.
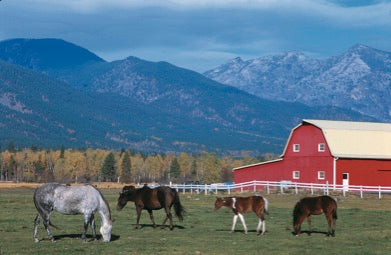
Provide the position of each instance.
(375, 14)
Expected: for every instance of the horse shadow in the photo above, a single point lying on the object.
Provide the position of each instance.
(157, 226)
(311, 232)
(238, 231)
(88, 236)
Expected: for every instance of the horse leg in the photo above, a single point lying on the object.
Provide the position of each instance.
(329, 218)
(164, 222)
(309, 224)
(138, 210)
(234, 223)
(93, 227)
(334, 221)
(261, 225)
(169, 216)
(46, 223)
(36, 223)
(151, 216)
(243, 222)
(87, 221)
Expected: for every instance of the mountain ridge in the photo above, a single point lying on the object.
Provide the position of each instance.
(152, 107)
(357, 79)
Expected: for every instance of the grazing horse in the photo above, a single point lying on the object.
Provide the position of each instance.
(149, 199)
(314, 206)
(72, 200)
(240, 205)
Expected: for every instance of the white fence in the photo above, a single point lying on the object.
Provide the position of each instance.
(282, 186)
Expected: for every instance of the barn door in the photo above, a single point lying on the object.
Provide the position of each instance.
(345, 181)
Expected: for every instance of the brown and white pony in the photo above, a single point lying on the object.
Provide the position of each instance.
(149, 199)
(314, 206)
(240, 205)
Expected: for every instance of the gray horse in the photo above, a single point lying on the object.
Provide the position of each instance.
(72, 200)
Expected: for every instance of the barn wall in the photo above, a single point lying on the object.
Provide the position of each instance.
(367, 172)
(308, 160)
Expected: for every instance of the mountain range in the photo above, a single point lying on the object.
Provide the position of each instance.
(359, 79)
(54, 92)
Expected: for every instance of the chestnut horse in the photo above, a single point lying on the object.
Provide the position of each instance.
(240, 205)
(314, 206)
(149, 199)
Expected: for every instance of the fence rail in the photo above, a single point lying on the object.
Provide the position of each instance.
(282, 186)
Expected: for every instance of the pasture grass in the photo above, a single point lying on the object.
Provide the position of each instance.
(363, 227)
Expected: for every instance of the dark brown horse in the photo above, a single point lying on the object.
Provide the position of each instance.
(240, 205)
(314, 206)
(149, 199)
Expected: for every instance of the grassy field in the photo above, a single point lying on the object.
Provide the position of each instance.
(363, 227)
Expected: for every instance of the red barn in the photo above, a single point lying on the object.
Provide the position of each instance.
(337, 152)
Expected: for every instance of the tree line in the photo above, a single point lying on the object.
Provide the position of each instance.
(91, 165)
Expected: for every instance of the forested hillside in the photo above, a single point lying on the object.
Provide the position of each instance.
(68, 166)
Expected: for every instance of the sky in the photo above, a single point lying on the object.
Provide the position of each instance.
(202, 34)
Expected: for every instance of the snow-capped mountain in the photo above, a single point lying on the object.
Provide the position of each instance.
(359, 79)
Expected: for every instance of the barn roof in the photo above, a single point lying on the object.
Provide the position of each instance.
(347, 139)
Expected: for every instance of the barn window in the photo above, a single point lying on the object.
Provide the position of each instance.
(321, 175)
(321, 147)
(296, 147)
(296, 175)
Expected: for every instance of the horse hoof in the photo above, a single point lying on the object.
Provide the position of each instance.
(53, 240)
(36, 240)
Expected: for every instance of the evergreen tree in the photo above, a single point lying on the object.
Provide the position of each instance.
(174, 169)
(11, 169)
(38, 168)
(108, 169)
(11, 147)
(62, 151)
(126, 168)
(193, 170)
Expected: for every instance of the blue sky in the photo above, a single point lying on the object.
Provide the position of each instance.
(201, 34)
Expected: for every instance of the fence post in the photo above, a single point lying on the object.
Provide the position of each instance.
(229, 189)
(296, 188)
(327, 188)
(312, 189)
(206, 191)
(241, 188)
(216, 189)
(344, 192)
(379, 192)
(281, 188)
(267, 188)
(255, 186)
(361, 195)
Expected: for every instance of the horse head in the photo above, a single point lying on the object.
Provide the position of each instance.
(105, 230)
(220, 201)
(126, 195)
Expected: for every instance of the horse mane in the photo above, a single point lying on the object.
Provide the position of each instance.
(103, 198)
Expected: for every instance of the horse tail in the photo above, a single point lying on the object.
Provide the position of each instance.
(178, 208)
(335, 212)
(266, 207)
